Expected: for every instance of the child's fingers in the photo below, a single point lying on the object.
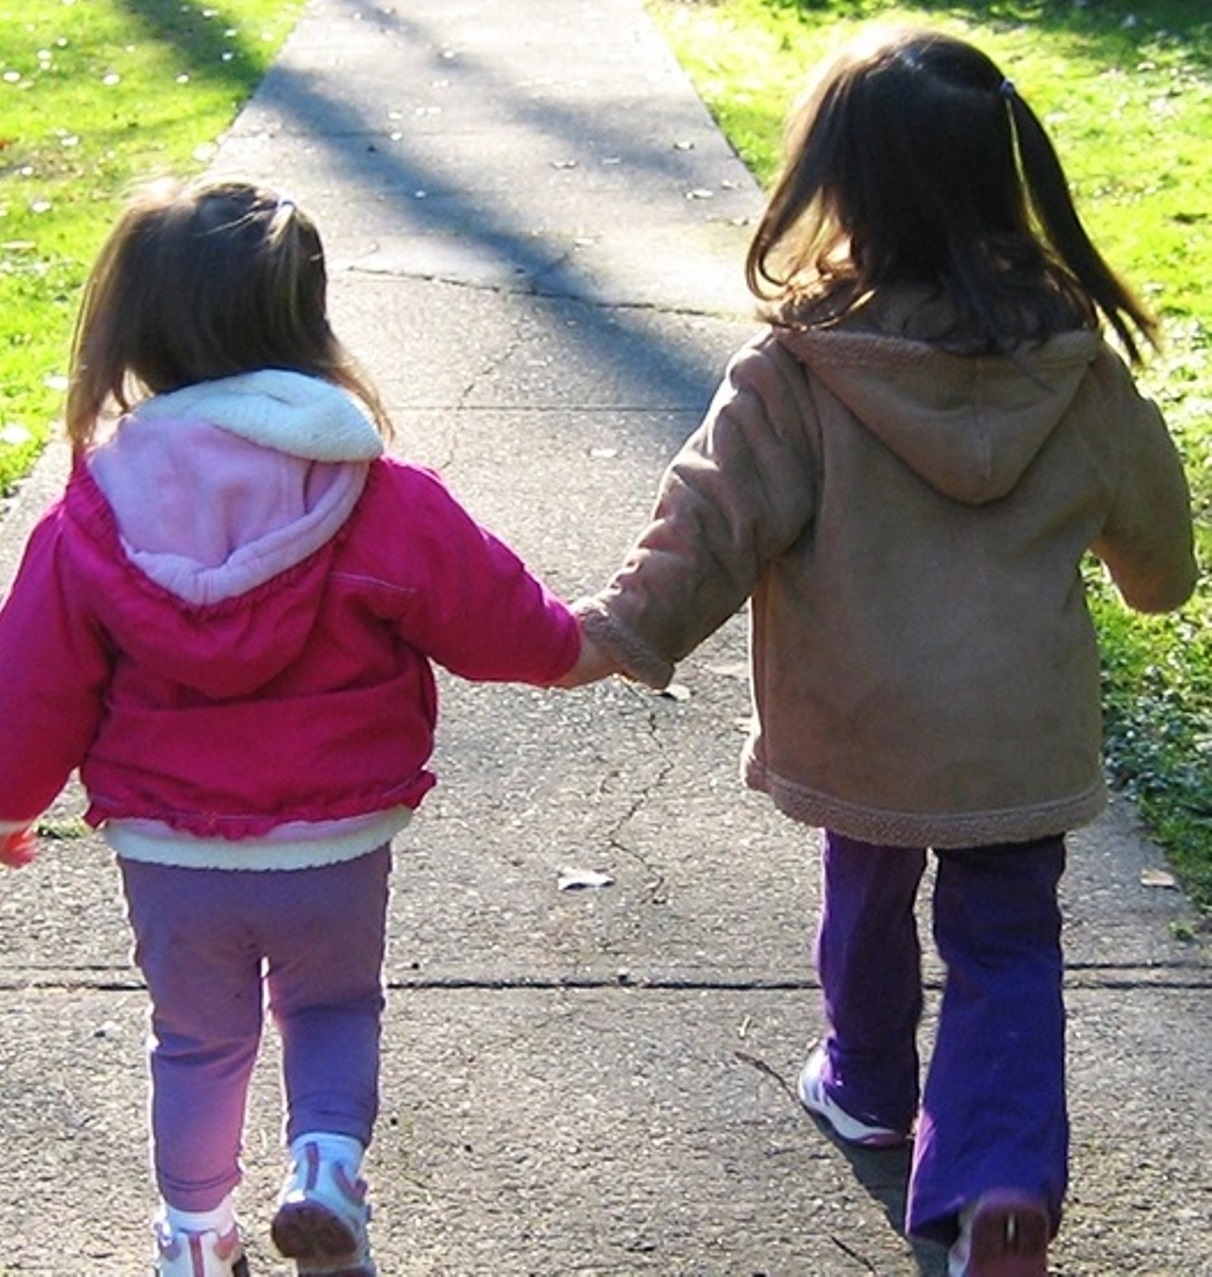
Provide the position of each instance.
(592, 664)
(17, 849)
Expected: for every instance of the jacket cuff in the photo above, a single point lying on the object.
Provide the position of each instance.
(636, 658)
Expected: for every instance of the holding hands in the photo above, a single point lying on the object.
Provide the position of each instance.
(591, 665)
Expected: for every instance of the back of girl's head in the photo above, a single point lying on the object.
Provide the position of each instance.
(914, 161)
(199, 281)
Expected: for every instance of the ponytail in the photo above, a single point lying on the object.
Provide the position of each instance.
(1053, 206)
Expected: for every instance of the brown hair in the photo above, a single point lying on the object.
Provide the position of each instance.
(914, 161)
(201, 280)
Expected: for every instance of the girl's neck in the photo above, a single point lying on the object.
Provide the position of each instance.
(915, 311)
(927, 313)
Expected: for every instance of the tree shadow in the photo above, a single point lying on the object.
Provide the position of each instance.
(620, 340)
(1113, 31)
(209, 52)
(199, 35)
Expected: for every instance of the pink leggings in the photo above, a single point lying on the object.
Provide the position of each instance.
(210, 942)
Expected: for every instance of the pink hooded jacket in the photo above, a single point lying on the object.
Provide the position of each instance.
(227, 621)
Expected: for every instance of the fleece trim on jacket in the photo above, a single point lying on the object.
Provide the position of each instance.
(296, 845)
(177, 633)
(286, 411)
(908, 526)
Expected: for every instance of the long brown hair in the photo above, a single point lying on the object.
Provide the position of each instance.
(201, 280)
(915, 161)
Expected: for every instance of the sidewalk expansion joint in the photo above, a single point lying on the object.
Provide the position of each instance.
(531, 288)
(1181, 977)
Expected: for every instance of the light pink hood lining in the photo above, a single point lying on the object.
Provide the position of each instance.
(221, 486)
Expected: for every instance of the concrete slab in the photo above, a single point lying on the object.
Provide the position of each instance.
(603, 1131)
(575, 1081)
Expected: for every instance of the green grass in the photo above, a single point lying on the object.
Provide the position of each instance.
(1125, 88)
(96, 95)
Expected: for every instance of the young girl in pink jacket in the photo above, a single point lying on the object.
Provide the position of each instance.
(902, 474)
(227, 623)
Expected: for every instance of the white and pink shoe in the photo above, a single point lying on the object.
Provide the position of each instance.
(202, 1254)
(322, 1210)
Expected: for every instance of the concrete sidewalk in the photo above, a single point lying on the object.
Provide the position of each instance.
(535, 237)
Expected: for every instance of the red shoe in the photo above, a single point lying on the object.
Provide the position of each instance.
(1003, 1234)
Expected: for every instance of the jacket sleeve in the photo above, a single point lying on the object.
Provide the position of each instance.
(1147, 542)
(54, 668)
(479, 611)
(741, 490)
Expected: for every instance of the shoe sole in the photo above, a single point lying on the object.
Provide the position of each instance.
(305, 1230)
(303, 1268)
(1009, 1238)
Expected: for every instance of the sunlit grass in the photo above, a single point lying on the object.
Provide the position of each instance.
(96, 95)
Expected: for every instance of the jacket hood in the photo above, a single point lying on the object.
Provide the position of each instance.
(968, 425)
(224, 499)
(292, 413)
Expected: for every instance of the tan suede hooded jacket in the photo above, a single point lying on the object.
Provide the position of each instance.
(908, 525)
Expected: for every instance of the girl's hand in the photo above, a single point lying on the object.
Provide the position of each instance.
(17, 848)
(592, 664)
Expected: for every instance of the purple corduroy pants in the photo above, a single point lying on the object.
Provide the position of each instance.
(992, 1113)
(212, 944)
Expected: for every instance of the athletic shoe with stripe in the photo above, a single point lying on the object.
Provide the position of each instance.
(186, 1254)
(814, 1097)
(322, 1217)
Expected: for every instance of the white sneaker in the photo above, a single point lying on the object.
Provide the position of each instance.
(322, 1216)
(186, 1254)
(814, 1097)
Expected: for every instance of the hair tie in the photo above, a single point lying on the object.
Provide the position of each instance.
(1006, 89)
(282, 215)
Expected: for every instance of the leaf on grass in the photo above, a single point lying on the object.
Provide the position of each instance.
(14, 435)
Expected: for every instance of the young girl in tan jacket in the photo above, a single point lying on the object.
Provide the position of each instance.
(902, 474)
